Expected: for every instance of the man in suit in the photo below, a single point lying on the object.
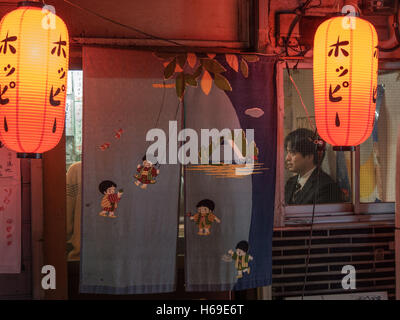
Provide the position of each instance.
(311, 181)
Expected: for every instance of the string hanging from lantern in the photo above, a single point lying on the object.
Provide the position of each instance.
(299, 13)
(157, 164)
(302, 102)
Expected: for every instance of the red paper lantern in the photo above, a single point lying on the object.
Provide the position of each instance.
(345, 80)
(34, 52)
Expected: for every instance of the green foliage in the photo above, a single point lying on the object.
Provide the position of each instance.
(244, 68)
(180, 85)
(170, 69)
(212, 65)
(181, 59)
(222, 83)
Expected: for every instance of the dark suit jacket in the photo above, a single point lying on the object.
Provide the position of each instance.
(327, 192)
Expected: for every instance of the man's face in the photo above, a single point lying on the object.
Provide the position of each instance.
(296, 163)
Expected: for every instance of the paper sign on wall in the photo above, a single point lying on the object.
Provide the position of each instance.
(10, 212)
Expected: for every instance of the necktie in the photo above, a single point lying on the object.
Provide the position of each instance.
(296, 191)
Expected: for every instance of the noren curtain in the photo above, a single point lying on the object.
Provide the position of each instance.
(128, 243)
(131, 202)
(233, 253)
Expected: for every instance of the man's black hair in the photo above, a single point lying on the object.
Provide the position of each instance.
(104, 185)
(243, 245)
(302, 141)
(206, 203)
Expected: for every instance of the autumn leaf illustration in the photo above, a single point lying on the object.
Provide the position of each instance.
(170, 69)
(181, 59)
(198, 71)
(244, 68)
(209, 69)
(232, 61)
(180, 85)
(222, 83)
(191, 59)
(250, 58)
(212, 66)
(178, 69)
(190, 80)
(206, 82)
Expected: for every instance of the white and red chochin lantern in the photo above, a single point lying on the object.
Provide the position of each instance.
(34, 53)
(345, 70)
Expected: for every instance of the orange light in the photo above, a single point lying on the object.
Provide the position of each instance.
(34, 52)
(345, 80)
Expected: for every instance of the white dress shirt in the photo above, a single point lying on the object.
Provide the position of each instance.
(303, 179)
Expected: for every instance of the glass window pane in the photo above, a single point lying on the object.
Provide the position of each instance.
(73, 118)
(378, 153)
(333, 183)
(73, 133)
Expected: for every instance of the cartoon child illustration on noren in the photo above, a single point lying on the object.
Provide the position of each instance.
(146, 173)
(205, 216)
(110, 200)
(241, 258)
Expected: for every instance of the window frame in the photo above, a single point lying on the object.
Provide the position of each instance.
(289, 215)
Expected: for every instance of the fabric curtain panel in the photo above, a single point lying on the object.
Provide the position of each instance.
(205, 107)
(230, 247)
(129, 232)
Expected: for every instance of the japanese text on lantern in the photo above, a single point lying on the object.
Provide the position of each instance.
(8, 45)
(339, 49)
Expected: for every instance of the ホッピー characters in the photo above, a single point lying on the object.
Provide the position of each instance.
(110, 199)
(204, 216)
(241, 258)
(146, 173)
